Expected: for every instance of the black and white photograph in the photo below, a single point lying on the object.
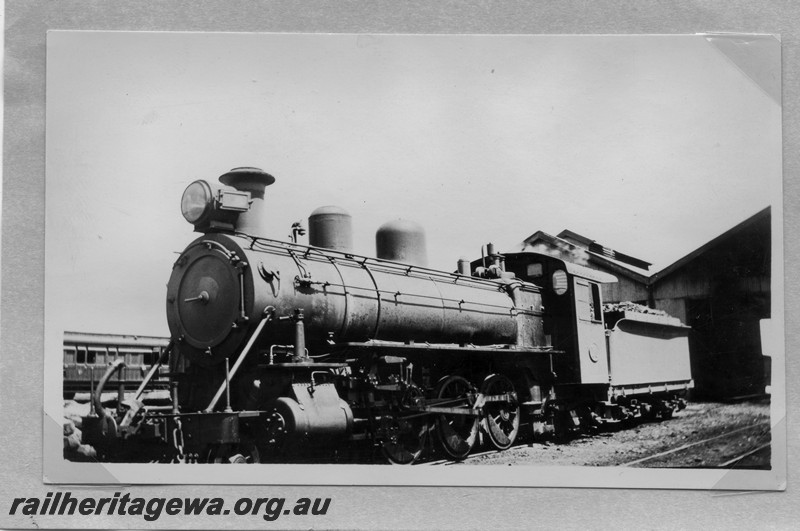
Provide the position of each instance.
(502, 260)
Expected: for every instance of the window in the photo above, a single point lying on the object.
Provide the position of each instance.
(534, 270)
(596, 305)
(85, 355)
(589, 305)
(582, 300)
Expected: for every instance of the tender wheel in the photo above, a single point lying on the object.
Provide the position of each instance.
(405, 440)
(667, 413)
(502, 417)
(456, 434)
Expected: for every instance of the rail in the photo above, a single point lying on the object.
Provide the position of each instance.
(690, 445)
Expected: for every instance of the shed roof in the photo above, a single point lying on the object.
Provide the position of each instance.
(564, 242)
(575, 269)
(598, 248)
(584, 254)
(759, 217)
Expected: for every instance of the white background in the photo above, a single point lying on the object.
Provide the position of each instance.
(651, 145)
(411, 507)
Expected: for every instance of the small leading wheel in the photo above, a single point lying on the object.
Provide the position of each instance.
(241, 454)
(405, 440)
(456, 434)
(502, 416)
(404, 435)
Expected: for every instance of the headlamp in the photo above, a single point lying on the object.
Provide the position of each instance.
(208, 206)
(197, 202)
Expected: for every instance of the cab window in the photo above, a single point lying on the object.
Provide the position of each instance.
(589, 306)
(596, 304)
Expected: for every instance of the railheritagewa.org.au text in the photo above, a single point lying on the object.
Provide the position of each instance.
(151, 509)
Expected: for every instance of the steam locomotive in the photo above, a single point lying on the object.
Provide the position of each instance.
(278, 348)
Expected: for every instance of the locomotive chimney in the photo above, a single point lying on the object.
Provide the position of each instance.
(255, 181)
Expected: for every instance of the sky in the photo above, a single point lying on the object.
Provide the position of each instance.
(651, 145)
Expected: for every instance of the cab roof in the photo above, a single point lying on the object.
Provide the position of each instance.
(571, 267)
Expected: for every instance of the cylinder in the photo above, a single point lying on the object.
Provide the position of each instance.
(331, 227)
(402, 241)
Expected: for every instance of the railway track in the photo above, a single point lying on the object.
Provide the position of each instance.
(757, 455)
(724, 438)
(472, 457)
(738, 447)
(703, 436)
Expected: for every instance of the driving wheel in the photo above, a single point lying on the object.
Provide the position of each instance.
(456, 434)
(500, 415)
